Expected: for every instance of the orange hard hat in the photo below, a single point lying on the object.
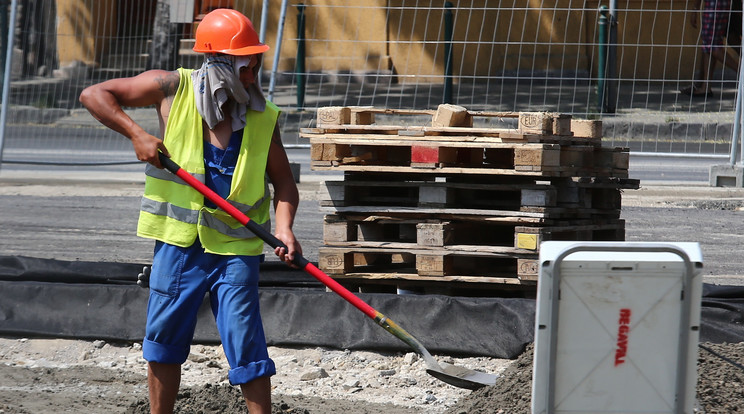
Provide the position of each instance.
(227, 31)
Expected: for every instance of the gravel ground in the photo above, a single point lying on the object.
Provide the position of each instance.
(59, 375)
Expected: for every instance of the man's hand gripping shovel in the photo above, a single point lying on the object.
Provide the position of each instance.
(451, 374)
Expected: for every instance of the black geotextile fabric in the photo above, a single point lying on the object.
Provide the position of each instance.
(50, 298)
(21, 268)
(291, 317)
(722, 314)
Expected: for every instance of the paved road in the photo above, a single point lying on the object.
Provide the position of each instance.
(673, 169)
(89, 213)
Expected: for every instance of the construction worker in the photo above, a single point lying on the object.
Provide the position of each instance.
(217, 125)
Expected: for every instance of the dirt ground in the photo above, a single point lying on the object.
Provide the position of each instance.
(719, 385)
(55, 375)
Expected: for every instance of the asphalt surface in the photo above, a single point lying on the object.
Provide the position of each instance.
(90, 213)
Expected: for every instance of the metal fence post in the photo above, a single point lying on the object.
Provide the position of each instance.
(300, 62)
(610, 82)
(448, 25)
(4, 39)
(606, 86)
(602, 70)
(739, 121)
(277, 48)
(736, 133)
(7, 73)
(262, 34)
(264, 18)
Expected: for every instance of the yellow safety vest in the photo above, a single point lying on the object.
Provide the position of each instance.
(173, 212)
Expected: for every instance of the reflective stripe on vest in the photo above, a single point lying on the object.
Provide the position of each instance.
(242, 232)
(160, 208)
(174, 212)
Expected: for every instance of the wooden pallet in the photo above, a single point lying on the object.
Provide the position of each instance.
(456, 121)
(459, 235)
(543, 144)
(472, 195)
(363, 153)
(478, 264)
(450, 201)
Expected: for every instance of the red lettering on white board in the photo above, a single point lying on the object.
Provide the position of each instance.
(623, 329)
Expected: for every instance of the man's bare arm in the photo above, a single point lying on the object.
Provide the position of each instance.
(105, 101)
(286, 197)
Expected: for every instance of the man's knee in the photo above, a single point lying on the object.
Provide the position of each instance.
(164, 372)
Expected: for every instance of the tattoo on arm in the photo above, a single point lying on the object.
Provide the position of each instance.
(168, 84)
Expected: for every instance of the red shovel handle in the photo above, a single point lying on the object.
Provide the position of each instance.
(267, 237)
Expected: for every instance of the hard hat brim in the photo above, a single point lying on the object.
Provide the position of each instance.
(243, 51)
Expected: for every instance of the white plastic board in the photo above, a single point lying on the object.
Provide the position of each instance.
(617, 327)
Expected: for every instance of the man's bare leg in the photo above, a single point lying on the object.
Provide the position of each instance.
(257, 395)
(702, 86)
(163, 381)
(727, 59)
(708, 66)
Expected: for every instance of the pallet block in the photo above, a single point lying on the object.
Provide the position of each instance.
(540, 123)
(586, 128)
(448, 115)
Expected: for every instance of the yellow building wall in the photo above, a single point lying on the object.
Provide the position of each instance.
(338, 39)
(84, 28)
(655, 38)
(491, 38)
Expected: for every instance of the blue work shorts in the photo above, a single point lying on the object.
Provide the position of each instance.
(179, 280)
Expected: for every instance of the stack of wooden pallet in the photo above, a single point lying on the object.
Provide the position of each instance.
(453, 208)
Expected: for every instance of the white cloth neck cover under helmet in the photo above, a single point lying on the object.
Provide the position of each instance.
(216, 82)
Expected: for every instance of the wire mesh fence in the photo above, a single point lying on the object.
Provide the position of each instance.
(622, 62)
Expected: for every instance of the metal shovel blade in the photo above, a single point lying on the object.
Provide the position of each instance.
(451, 374)
(462, 377)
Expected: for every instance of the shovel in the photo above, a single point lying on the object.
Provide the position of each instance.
(451, 374)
